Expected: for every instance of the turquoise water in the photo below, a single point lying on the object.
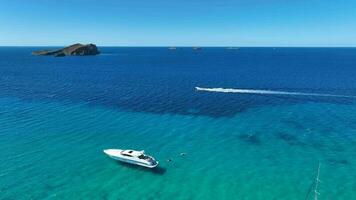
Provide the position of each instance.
(56, 153)
(58, 114)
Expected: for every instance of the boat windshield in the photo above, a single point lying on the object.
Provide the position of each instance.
(147, 158)
(144, 157)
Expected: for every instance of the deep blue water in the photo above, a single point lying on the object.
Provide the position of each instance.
(58, 114)
(162, 81)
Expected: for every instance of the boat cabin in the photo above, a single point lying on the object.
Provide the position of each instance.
(132, 153)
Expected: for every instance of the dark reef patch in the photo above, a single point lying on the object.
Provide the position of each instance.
(294, 124)
(337, 148)
(289, 138)
(250, 139)
(328, 129)
(317, 145)
(338, 161)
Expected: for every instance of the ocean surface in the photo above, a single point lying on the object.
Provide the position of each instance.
(255, 123)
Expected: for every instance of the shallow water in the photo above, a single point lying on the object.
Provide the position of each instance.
(55, 120)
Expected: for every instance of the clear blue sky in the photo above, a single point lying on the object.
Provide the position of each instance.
(179, 22)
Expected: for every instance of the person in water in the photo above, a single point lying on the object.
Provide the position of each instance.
(181, 154)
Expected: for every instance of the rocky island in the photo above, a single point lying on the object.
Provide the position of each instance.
(72, 50)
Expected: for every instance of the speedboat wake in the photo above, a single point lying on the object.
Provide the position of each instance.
(268, 92)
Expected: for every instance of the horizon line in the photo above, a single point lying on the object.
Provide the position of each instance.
(188, 46)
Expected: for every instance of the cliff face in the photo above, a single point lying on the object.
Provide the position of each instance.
(72, 50)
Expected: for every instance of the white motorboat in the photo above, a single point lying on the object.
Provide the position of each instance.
(132, 157)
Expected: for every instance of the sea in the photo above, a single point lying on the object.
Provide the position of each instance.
(252, 123)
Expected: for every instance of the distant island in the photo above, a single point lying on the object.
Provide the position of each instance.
(72, 50)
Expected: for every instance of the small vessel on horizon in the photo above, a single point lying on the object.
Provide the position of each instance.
(132, 157)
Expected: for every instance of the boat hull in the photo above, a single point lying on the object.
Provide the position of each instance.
(115, 154)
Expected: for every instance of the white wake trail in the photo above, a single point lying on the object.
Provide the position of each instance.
(269, 92)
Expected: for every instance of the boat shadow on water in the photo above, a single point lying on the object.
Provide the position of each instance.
(157, 170)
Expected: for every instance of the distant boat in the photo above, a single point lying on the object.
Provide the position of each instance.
(132, 157)
(172, 48)
(197, 48)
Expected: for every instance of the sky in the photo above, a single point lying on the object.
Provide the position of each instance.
(325, 23)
